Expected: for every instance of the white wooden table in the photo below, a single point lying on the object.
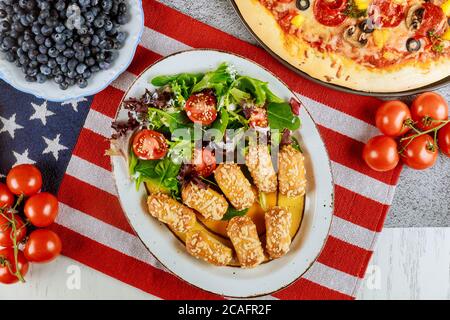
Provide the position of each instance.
(409, 263)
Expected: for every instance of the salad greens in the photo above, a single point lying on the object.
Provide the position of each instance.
(163, 111)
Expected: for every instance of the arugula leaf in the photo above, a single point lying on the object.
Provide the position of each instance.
(219, 80)
(232, 212)
(256, 88)
(281, 117)
(132, 162)
(221, 123)
(239, 95)
(173, 120)
(188, 78)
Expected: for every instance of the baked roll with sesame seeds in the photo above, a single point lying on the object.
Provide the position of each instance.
(259, 163)
(235, 185)
(208, 202)
(244, 236)
(291, 172)
(278, 239)
(170, 211)
(202, 246)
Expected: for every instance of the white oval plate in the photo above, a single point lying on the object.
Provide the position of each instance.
(99, 81)
(231, 281)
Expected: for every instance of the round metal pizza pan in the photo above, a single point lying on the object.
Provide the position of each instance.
(430, 87)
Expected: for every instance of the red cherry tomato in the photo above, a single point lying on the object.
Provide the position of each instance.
(6, 196)
(24, 179)
(390, 118)
(42, 246)
(444, 139)
(204, 162)
(420, 153)
(149, 145)
(201, 108)
(387, 13)
(381, 154)
(7, 257)
(6, 230)
(433, 19)
(41, 209)
(330, 13)
(427, 107)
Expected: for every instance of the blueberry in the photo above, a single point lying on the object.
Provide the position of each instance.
(85, 40)
(89, 17)
(59, 37)
(60, 59)
(72, 64)
(4, 26)
(60, 28)
(59, 79)
(122, 19)
(42, 58)
(122, 9)
(3, 14)
(82, 83)
(95, 40)
(77, 46)
(48, 42)
(90, 61)
(10, 56)
(95, 68)
(84, 3)
(45, 70)
(104, 65)
(53, 52)
(99, 22)
(68, 53)
(60, 47)
(95, 2)
(64, 68)
(8, 42)
(42, 49)
(36, 28)
(81, 68)
(30, 78)
(72, 74)
(79, 55)
(52, 63)
(46, 30)
(63, 85)
(121, 37)
(39, 39)
(41, 78)
(87, 74)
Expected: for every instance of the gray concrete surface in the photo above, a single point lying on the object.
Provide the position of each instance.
(422, 198)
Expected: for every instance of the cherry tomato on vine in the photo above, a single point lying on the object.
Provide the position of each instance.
(7, 257)
(204, 162)
(149, 145)
(201, 108)
(6, 230)
(427, 107)
(381, 154)
(391, 117)
(24, 179)
(41, 209)
(419, 153)
(444, 139)
(6, 196)
(42, 246)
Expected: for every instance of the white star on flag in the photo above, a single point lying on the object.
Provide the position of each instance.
(10, 125)
(22, 158)
(41, 112)
(53, 146)
(74, 103)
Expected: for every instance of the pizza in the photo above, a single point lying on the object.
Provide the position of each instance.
(366, 45)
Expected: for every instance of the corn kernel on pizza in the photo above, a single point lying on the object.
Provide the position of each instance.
(367, 45)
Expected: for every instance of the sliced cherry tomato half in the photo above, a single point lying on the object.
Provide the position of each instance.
(381, 154)
(420, 153)
(42, 246)
(8, 265)
(6, 230)
(24, 179)
(444, 139)
(387, 13)
(427, 107)
(41, 209)
(201, 108)
(204, 162)
(433, 20)
(391, 117)
(330, 13)
(149, 145)
(6, 196)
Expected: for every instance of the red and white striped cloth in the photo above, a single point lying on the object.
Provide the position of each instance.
(95, 231)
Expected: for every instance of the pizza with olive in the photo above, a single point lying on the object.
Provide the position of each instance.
(366, 45)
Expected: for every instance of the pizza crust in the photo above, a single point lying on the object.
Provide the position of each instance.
(332, 68)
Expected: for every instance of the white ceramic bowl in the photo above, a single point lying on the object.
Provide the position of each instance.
(232, 281)
(99, 81)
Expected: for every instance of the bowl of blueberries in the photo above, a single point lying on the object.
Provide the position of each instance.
(61, 50)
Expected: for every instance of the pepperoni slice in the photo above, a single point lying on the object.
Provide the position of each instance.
(330, 13)
(285, 19)
(387, 13)
(433, 20)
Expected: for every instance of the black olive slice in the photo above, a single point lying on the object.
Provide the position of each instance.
(303, 4)
(366, 26)
(413, 45)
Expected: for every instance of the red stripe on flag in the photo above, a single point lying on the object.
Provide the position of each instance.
(349, 153)
(142, 59)
(107, 101)
(94, 202)
(91, 147)
(304, 289)
(345, 257)
(181, 28)
(363, 211)
(134, 272)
